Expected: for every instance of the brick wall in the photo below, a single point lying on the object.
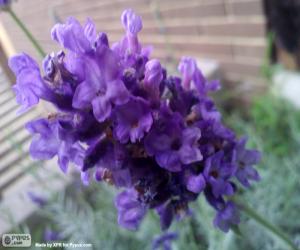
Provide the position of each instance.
(229, 31)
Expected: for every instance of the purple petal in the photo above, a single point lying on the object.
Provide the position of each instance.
(191, 135)
(122, 178)
(122, 132)
(90, 31)
(131, 218)
(247, 173)
(101, 108)
(166, 215)
(157, 143)
(196, 183)
(143, 126)
(130, 211)
(153, 74)
(21, 62)
(83, 96)
(29, 87)
(43, 149)
(214, 85)
(37, 199)
(227, 217)
(164, 241)
(126, 199)
(189, 154)
(63, 157)
(117, 92)
(69, 35)
(131, 22)
(221, 187)
(40, 126)
(169, 160)
(85, 178)
(251, 157)
(187, 67)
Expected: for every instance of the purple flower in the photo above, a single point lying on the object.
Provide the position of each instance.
(153, 75)
(61, 80)
(207, 110)
(85, 178)
(130, 210)
(173, 145)
(227, 216)
(46, 143)
(245, 159)
(181, 100)
(40, 200)
(191, 73)
(51, 235)
(132, 125)
(166, 215)
(217, 174)
(101, 88)
(71, 35)
(132, 24)
(195, 183)
(164, 241)
(29, 87)
(153, 79)
(97, 153)
(188, 69)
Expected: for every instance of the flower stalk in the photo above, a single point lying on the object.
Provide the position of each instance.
(27, 33)
(250, 212)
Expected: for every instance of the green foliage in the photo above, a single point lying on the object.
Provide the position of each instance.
(273, 126)
(268, 68)
(88, 216)
(277, 124)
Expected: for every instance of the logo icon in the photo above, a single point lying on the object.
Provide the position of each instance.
(16, 240)
(7, 240)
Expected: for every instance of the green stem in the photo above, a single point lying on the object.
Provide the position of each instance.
(27, 33)
(266, 224)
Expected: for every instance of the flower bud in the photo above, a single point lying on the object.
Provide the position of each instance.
(187, 67)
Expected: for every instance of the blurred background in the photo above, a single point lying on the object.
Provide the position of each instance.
(253, 46)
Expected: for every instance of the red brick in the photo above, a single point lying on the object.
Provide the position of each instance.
(192, 29)
(198, 48)
(241, 67)
(248, 50)
(199, 10)
(245, 8)
(235, 29)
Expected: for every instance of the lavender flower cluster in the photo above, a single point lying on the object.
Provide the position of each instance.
(123, 120)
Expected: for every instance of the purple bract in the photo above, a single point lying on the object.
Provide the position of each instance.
(122, 119)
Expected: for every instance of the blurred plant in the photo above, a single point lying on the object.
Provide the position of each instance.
(273, 126)
(87, 216)
(268, 68)
(5, 5)
(275, 116)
